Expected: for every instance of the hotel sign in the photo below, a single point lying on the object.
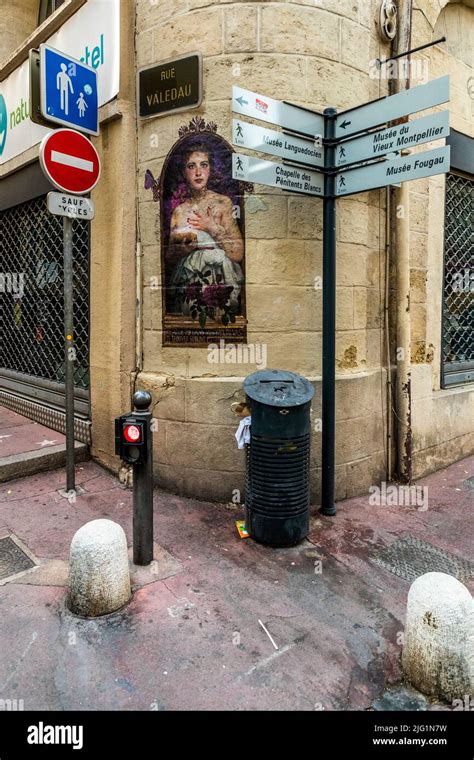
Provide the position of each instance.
(171, 86)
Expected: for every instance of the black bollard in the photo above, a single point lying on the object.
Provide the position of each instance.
(143, 486)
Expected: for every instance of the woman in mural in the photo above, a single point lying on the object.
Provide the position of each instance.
(205, 243)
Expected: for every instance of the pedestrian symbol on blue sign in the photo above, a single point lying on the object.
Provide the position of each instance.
(68, 91)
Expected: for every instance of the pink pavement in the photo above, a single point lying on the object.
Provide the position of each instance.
(20, 435)
(190, 639)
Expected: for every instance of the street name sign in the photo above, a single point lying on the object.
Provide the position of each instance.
(171, 86)
(68, 91)
(392, 107)
(276, 143)
(402, 169)
(378, 144)
(72, 206)
(70, 161)
(290, 117)
(277, 175)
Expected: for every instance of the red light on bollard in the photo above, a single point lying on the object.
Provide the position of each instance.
(132, 433)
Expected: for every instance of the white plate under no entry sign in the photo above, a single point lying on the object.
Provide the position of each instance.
(72, 206)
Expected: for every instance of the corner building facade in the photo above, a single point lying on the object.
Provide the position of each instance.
(143, 333)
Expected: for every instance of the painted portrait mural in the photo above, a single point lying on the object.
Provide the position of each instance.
(202, 240)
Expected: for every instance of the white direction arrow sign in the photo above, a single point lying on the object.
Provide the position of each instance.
(392, 107)
(277, 175)
(385, 141)
(277, 112)
(72, 206)
(276, 143)
(383, 173)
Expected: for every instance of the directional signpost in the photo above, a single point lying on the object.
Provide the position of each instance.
(68, 91)
(333, 181)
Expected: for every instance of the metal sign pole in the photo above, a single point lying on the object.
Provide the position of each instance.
(69, 351)
(329, 319)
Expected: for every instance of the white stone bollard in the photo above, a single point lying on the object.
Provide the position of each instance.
(99, 577)
(438, 654)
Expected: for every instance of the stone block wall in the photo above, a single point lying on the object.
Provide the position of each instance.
(316, 55)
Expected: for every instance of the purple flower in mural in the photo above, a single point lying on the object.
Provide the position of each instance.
(193, 291)
(216, 295)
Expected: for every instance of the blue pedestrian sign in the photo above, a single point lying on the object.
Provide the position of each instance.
(68, 91)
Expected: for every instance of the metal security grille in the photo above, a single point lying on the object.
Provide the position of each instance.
(31, 293)
(458, 295)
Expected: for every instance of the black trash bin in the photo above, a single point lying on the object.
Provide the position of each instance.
(278, 457)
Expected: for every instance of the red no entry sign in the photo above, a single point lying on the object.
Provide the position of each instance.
(70, 161)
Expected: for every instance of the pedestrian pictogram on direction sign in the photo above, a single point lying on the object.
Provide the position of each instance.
(70, 161)
(68, 91)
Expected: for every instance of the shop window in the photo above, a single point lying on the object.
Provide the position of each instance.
(32, 294)
(458, 288)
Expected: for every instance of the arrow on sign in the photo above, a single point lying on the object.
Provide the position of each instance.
(393, 107)
(299, 120)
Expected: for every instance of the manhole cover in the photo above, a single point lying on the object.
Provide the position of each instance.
(13, 560)
(410, 557)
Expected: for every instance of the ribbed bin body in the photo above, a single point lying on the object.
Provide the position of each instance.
(278, 458)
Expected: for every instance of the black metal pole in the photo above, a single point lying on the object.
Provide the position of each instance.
(143, 488)
(409, 52)
(69, 351)
(329, 319)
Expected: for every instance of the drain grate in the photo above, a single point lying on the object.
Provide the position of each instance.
(410, 557)
(13, 559)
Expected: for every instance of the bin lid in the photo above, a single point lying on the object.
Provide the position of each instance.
(277, 387)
